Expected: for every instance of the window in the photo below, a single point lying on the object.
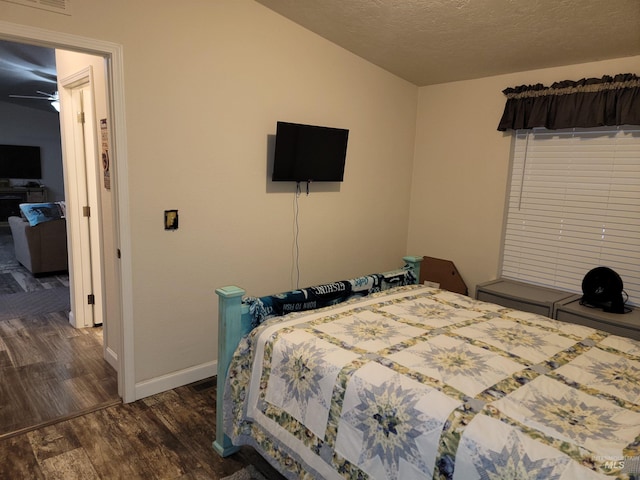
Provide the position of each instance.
(573, 205)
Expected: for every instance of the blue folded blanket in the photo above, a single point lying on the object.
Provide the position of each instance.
(262, 308)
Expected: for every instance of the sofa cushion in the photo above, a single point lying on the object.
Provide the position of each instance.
(36, 213)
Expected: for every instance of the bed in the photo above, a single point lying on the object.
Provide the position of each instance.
(406, 381)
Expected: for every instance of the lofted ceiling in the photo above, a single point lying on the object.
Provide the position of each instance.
(423, 41)
(25, 70)
(436, 41)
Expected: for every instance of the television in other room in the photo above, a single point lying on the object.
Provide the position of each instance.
(20, 161)
(309, 153)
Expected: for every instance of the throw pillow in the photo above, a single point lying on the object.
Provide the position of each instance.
(36, 213)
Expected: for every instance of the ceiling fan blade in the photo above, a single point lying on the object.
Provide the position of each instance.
(40, 57)
(28, 96)
(49, 77)
(50, 96)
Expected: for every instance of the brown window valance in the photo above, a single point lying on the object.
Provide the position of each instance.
(590, 102)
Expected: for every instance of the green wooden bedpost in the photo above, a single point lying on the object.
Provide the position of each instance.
(229, 334)
(414, 263)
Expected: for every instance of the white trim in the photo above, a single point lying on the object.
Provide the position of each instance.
(176, 379)
(80, 190)
(111, 357)
(114, 54)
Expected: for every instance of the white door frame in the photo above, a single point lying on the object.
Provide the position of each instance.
(113, 53)
(79, 142)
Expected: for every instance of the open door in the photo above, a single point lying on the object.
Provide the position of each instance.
(80, 153)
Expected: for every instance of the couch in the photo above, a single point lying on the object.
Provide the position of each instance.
(41, 248)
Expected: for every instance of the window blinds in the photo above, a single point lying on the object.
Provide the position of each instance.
(573, 205)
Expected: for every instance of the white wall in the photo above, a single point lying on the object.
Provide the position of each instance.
(205, 83)
(68, 64)
(461, 166)
(31, 126)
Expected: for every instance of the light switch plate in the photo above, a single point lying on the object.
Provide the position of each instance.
(171, 219)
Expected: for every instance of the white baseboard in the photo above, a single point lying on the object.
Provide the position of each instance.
(175, 379)
(111, 357)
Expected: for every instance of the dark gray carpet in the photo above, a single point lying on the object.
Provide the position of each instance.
(8, 284)
(21, 293)
(7, 255)
(34, 303)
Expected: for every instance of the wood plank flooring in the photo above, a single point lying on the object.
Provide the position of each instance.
(166, 436)
(49, 371)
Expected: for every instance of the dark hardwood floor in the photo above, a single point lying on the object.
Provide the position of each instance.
(48, 370)
(166, 436)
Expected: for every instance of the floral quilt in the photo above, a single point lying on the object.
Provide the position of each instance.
(417, 383)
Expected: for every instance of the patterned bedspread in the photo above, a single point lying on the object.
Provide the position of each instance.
(423, 383)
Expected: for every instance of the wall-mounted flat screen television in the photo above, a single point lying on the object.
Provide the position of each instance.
(20, 161)
(309, 153)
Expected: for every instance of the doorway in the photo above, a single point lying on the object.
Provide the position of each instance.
(120, 346)
(40, 386)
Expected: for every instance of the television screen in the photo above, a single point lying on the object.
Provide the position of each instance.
(309, 153)
(20, 161)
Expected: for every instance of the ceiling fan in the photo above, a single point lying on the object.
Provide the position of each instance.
(53, 98)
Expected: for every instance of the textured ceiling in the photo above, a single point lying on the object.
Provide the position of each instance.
(423, 41)
(436, 41)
